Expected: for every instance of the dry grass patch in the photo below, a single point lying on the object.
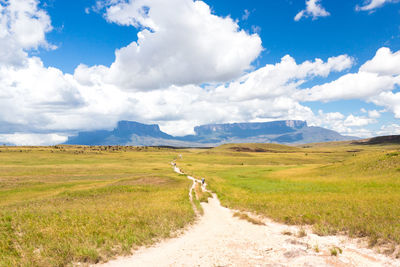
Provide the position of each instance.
(201, 195)
(244, 216)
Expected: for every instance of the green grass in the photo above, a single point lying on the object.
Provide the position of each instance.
(60, 205)
(336, 187)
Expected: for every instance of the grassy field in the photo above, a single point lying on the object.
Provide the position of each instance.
(60, 205)
(336, 187)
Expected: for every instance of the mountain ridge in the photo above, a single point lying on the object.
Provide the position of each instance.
(135, 133)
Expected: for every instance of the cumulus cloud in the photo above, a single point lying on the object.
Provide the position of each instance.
(24, 139)
(361, 85)
(34, 95)
(376, 77)
(282, 78)
(374, 114)
(22, 27)
(313, 9)
(180, 42)
(383, 63)
(350, 125)
(353, 121)
(390, 129)
(375, 82)
(370, 5)
(389, 100)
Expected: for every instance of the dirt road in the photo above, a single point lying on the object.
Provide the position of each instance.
(220, 239)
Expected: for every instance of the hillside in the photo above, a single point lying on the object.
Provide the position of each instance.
(389, 139)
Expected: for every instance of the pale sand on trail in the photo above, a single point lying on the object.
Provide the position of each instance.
(220, 239)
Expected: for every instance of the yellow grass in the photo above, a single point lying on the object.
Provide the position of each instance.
(201, 195)
(60, 205)
(336, 187)
(68, 204)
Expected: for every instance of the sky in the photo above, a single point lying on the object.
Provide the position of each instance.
(69, 66)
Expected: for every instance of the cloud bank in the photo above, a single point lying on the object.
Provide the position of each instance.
(187, 67)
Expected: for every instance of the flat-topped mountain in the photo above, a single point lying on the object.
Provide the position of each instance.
(121, 135)
(249, 128)
(127, 128)
(134, 133)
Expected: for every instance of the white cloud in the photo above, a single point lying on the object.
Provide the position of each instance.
(391, 129)
(332, 120)
(377, 76)
(370, 5)
(358, 132)
(33, 95)
(350, 125)
(23, 139)
(356, 121)
(313, 9)
(383, 63)
(282, 78)
(181, 42)
(22, 27)
(389, 100)
(246, 15)
(256, 29)
(361, 85)
(374, 114)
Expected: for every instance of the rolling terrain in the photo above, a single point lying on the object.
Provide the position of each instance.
(64, 205)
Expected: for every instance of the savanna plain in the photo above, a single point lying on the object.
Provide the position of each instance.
(63, 205)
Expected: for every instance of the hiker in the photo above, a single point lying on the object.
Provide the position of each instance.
(203, 181)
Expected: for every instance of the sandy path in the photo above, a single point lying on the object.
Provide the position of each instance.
(219, 239)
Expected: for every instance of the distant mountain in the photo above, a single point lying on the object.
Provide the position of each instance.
(284, 132)
(125, 133)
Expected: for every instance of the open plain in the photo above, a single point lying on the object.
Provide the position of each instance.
(320, 204)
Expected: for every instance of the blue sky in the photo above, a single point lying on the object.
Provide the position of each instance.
(172, 73)
(90, 39)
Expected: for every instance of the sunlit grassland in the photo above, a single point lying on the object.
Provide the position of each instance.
(336, 187)
(60, 205)
(201, 195)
